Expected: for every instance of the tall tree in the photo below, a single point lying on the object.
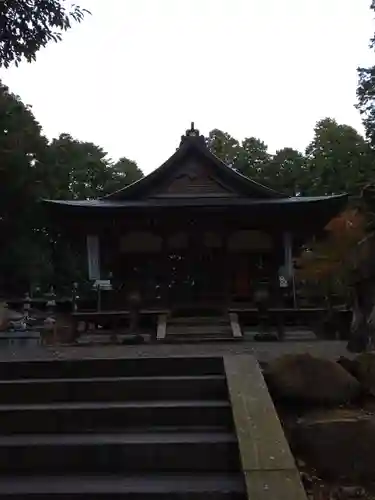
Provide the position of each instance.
(123, 173)
(338, 159)
(31, 169)
(366, 93)
(28, 25)
(285, 171)
(82, 170)
(252, 158)
(23, 150)
(248, 157)
(76, 169)
(224, 146)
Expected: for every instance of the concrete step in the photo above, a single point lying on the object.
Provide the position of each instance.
(118, 453)
(111, 417)
(131, 367)
(23, 391)
(139, 487)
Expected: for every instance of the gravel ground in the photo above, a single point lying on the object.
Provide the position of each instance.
(263, 351)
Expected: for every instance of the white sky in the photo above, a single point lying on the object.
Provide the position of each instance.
(134, 75)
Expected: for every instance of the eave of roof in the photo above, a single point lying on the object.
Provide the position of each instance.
(106, 203)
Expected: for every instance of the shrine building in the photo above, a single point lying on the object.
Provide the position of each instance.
(194, 232)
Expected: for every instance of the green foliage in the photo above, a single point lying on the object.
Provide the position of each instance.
(366, 94)
(123, 173)
(77, 170)
(31, 169)
(28, 25)
(224, 146)
(252, 158)
(286, 171)
(82, 170)
(338, 160)
(22, 149)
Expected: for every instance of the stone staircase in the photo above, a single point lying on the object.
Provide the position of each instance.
(195, 329)
(111, 428)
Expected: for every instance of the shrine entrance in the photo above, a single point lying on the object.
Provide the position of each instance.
(193, 268)
(195, 277)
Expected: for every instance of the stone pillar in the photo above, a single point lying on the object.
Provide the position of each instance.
(93, 256)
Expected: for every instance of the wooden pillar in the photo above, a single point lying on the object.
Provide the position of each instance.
(164, 273)
(288, 263)
(93, 256)
(227, 269)
(288, 255)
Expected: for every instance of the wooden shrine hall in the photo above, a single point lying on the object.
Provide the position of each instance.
(193, 233)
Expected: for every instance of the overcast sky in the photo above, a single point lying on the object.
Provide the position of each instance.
(134, 75)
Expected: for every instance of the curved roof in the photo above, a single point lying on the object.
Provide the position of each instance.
(194, 145)
(194, 177)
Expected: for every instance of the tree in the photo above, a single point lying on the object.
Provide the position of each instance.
(28, 25)
(285, 171)
(252, 158)
(224, 146)
(338, 160)
(123, 173)
(82, 170)
(328, 262)
(23, 149)
(31, 169)
(76, 169)
(366, 94)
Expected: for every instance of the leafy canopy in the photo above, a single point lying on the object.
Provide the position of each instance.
(28, 25)
(31, 168)
(366, 93)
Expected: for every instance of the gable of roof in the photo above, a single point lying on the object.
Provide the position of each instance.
(194, 171)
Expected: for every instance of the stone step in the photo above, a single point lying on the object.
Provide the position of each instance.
(111, 417)
(130, 367)
(118, 453)
(200, 320)
(199, 330)
(200, 338)
(23, 391)
(139, 487)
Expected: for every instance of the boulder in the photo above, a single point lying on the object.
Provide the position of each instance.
(364, 371)
(348, 364)
(310, 379)
(337, 443)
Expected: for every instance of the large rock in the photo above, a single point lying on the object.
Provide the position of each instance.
(338, 443)
(307, 378)
(364, 371)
